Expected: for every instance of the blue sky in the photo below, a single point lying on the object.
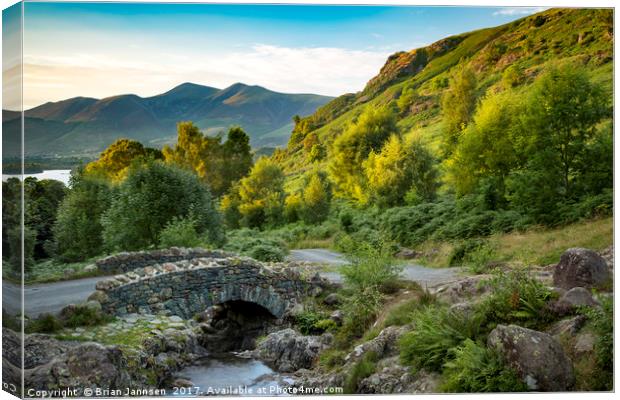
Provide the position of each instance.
(99, 49)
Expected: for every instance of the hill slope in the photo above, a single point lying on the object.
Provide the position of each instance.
(578, 36)
(82, 126)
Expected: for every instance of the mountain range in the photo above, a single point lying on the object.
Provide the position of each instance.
(85, 126)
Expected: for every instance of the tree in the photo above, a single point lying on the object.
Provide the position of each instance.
(373, 127)
(261, 195)
(561, 114)
(315, 200)
(458, 104)
(401, 170)
(42, 199)
(217, 164)
(151, 197)
(114, 162)
(487, 148)
(77, 230)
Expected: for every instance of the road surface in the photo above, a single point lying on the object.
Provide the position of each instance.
(52, 297)
(47, 297)
(412, 272)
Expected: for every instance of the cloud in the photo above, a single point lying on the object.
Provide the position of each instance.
(519, 10)
(323, 70)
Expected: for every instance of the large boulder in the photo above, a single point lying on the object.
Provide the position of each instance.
(577, 297)
(384, 345)
(288, 350)
(580, 268)
(537, 357)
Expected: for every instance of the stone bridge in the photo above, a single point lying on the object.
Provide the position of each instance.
(187, 287)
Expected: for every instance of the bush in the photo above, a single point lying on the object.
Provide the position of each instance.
(361, 309)
(463, 249)
(45, 323)
(362, 369)
(251, 243)
(266, 252)
(601, 319)
(151, 197)
(370, 266)
(403, 314)
(180, 232)
(83, 315)
(475, 369)
(437, 331)
(307, 322)
(516, 297)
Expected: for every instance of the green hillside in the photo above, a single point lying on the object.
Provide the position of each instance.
(414, 81)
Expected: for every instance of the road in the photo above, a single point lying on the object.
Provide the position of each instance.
(52, 297)
(412, 272)
(47, 297)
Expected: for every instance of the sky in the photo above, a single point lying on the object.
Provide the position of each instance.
(105, 49)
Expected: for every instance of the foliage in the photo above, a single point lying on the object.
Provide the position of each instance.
(180, 232)
(373, 127)
(516, 297)
(260, 195)
(311, 322)
(78, 228)
(315, 200)
(370, 267)
(601, 319)
(437, 331)
(114, 162)
(266, 252)
(149, 199)
(217, 164)
(474, 368)
(458, 104)
(45, 323)
(261, 247)
(362, 369)
(361, 309)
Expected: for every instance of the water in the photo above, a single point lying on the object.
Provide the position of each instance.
(233, 376)
(62, 175)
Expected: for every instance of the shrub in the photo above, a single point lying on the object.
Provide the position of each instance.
(45, 323)
(307, 322)
(261, 247)
(474, 368)
(437, 331)
(370, 266)
(601, 319)
(83, 315)
(266, 252)
(403, 313)
(331, 358)
(361, 310)
(362, 369)
(463, 249)
(180, 232)
(516, 297)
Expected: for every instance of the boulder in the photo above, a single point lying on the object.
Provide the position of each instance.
(289, 351)
(585, 344)
(577, 297)
(407, 254)
(384, 345)
(568, 326)
(537, 357)
(580, 268)
(90, 268)
(337, 316)
(332, 299)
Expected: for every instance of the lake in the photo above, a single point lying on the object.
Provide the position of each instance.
(62, 175)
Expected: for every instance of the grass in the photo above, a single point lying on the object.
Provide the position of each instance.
(312, 244)
(53, 271)
(536, 246)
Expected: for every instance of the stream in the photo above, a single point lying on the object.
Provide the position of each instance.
(227, 374)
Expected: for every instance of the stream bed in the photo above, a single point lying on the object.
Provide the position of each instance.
(228, 374)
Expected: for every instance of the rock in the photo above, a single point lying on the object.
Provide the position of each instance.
(99, 296)
(384, 345)
(175, 318)
(608, 256)
(180, 382)
(338, 317)
(578, 296)
(407, 254)
(568, 326)
(580, 267)
(537, 357)
(67, 272)
(90, 268)
(86, 365)
(332, 299)
(585, 344)
(289, 351)
(464, 289)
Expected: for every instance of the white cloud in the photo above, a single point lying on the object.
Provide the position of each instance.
(322, 70)
(519, 10)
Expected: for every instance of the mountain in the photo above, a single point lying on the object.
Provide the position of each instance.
(575, 36)
(85, 126)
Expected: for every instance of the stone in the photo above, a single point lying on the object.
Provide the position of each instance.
(175, 318)
(580, 267)
(169, 267)
(568, 326)
(290, 351)
(90, 268)
(407, 254)
(384, 345)
(182, 383)
(67, 272)
(584, 344)
(332, 299)
(337, 316)
(577, 297)
(537, 357)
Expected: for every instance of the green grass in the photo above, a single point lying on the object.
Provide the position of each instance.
(52, 271)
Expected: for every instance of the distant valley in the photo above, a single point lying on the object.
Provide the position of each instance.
(83, 126)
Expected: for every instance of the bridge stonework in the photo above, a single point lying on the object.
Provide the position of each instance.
(188, 287)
